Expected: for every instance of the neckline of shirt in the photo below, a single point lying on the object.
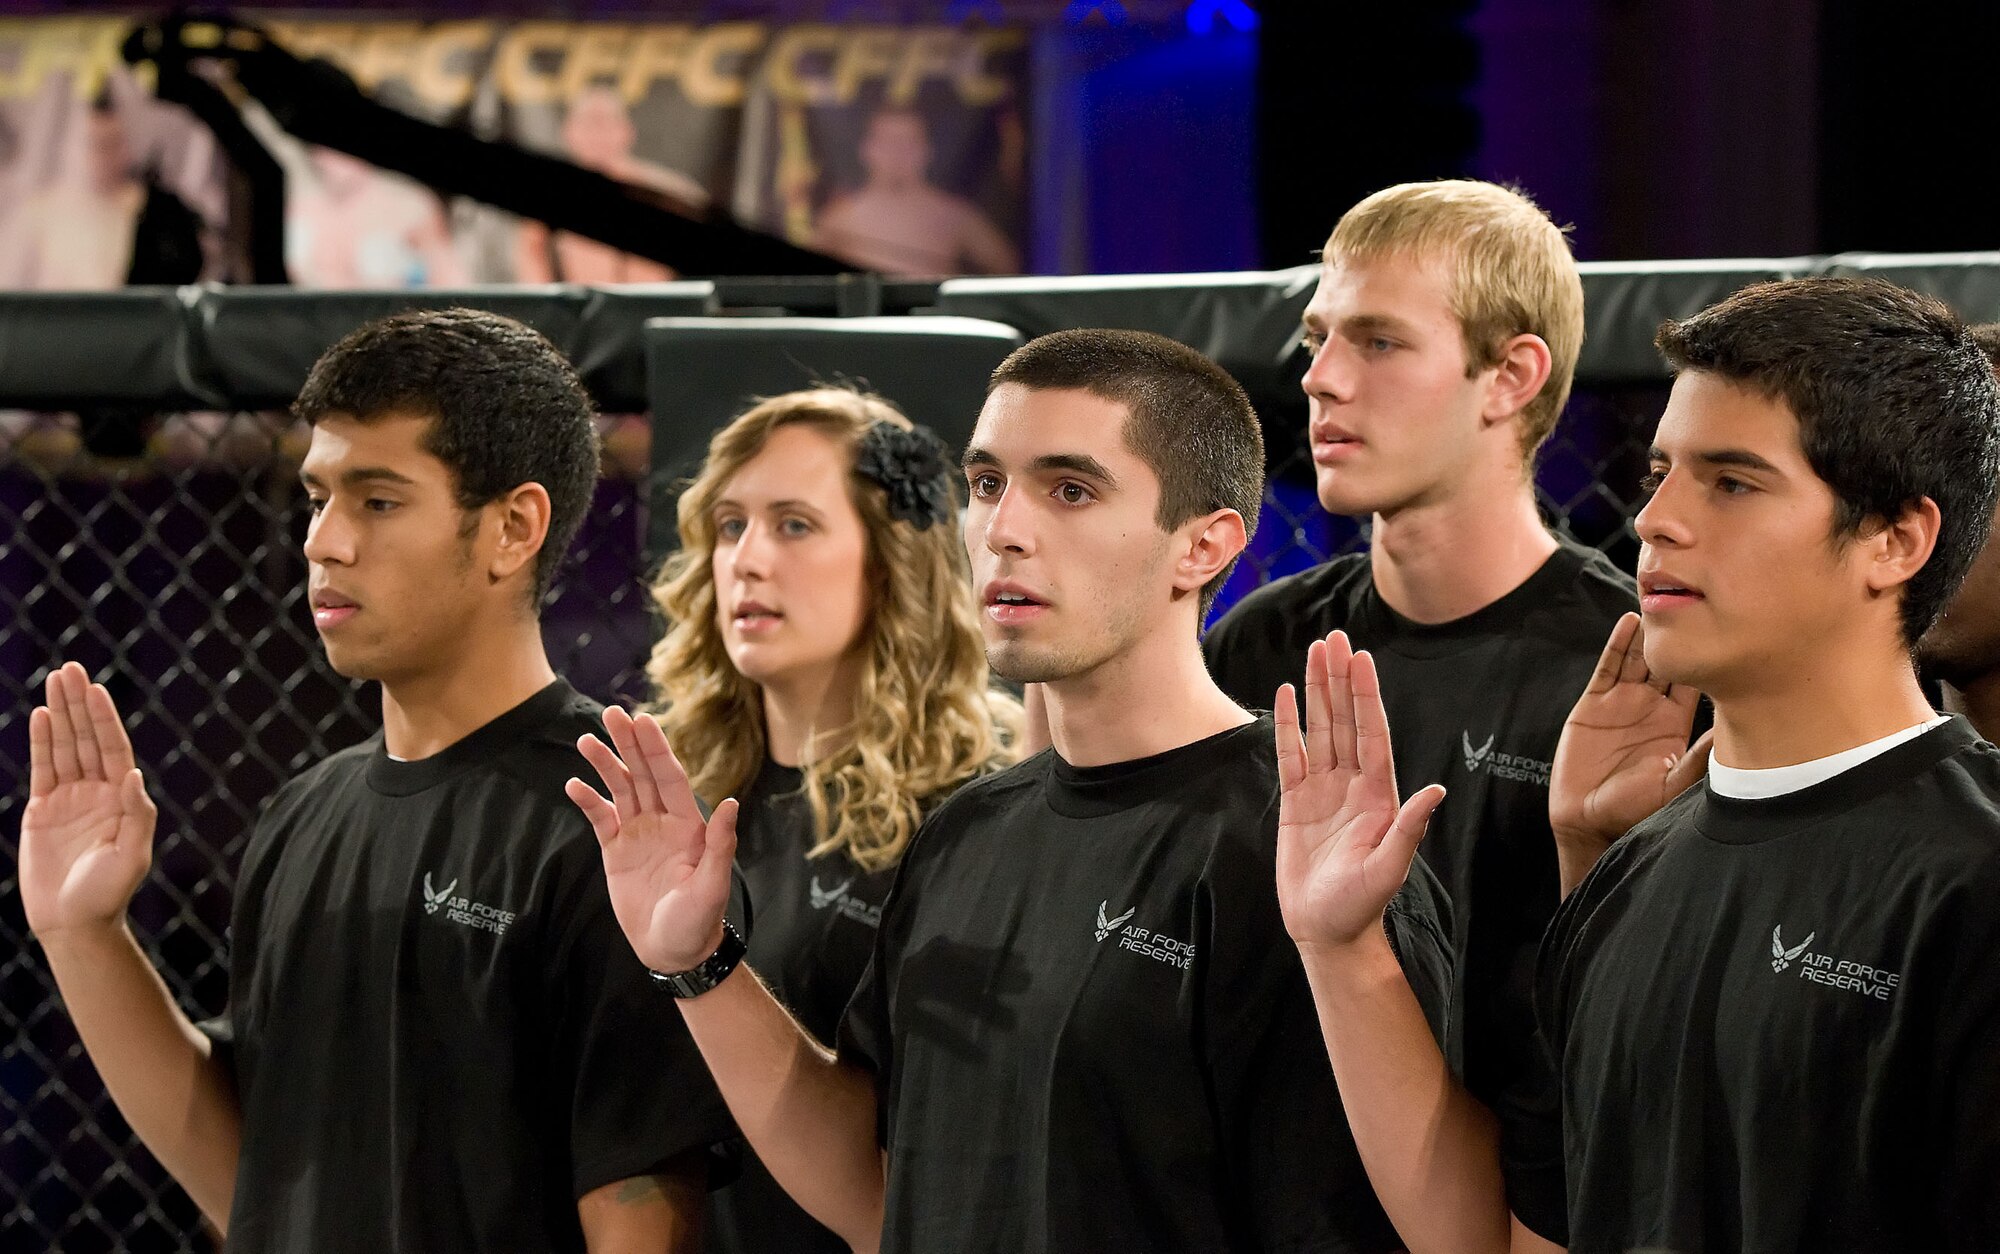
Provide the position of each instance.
(395, 778)
(1749, 821)
(1093, 791)
(1762, 783)
(1408, 636)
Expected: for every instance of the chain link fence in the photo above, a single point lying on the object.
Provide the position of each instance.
(164, 555)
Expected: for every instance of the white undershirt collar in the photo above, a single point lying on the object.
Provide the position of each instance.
(1776, 781)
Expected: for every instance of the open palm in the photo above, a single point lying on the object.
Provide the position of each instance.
(667, 869)
(1344, 843)
(87, 832)
(1624, 750)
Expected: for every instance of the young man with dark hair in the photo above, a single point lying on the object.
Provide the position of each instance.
(436, 1038)
(1962, 650)
(1772, 1007)
(1444, 334)
(1082, 1028)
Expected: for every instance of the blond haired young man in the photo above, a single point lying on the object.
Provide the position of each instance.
(1444, 334)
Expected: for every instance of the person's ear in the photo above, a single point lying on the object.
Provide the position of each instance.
(1897, 551)
(523, 517)
(1523, 370)
(1206, 546)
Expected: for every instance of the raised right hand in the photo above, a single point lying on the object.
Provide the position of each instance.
(87, 833)
(1344, 844)
(668, 872)
(1624, 751)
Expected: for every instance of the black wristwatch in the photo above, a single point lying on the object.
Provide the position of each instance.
(712, 971)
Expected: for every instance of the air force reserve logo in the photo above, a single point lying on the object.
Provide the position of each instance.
(1501, 765)
(463, 910)
(1819, 967)
(842, 901)
(1782, 957)
(1145, 942)
(433, 898)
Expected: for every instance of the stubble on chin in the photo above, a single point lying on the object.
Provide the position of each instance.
(1020, 663)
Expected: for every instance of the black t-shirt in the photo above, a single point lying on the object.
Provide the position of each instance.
(812, 930)
(1476, 704)
(1778, 1022)
(1090, 1030)
(440, 1039)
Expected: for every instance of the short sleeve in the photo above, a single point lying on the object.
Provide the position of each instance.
(1418, 922)
(1965, 1108)
(221, 1034)
(866, 1037)
(1295, 1176)
(1529, 1110)
(639, 1091)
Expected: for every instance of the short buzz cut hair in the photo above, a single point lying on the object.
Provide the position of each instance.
(1894, 398)
(1187, 419)
(1508, 267)
(506, 408)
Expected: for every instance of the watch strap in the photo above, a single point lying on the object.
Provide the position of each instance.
(710, 972)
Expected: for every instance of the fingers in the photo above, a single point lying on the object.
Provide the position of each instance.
(114, 747)
(76, 696)
(1690, 766)
(1319, 710)
(718, 853)
(62, 733)
(602, 815)
(41, 752)
(1291, 750)
(610, 769)
(1407, 832)
(669, 780)
(1371, 726)
(1611, 662)
(1657, 682)
(624, 738)
(1340, 687)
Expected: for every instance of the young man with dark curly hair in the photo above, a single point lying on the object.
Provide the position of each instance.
(436, 1038)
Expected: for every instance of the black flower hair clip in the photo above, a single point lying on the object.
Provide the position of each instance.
(914, 467)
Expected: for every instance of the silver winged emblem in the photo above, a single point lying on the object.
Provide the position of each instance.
(1105, 926)
(433, 898)
(1782, 957)
(1476, 758)
(824, 897)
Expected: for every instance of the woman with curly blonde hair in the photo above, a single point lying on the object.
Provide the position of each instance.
(823, 664)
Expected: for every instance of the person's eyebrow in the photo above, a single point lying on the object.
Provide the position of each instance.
(791, 503)
(1740, 458)
(1076, 463)
(361, 475)
(1369, 323)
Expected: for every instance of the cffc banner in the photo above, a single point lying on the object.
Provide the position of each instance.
(900, 149)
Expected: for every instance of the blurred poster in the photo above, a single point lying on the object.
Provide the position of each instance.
(900, 149)
(100, 184)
